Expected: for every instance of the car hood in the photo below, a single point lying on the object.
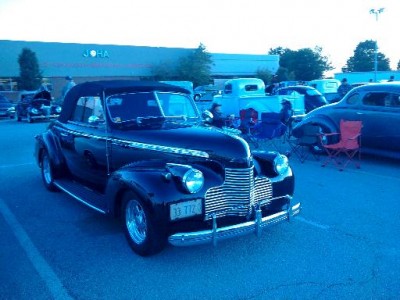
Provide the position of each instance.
(202, 141)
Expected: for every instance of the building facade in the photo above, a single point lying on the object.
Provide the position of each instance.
(86, 62)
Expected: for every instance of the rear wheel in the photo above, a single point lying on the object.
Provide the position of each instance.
(47, 172)
(139, 225)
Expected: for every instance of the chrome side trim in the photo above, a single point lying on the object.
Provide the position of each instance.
(79, 199)
(216, 234)
(137, 145)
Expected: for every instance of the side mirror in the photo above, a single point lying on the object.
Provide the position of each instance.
(93, 120)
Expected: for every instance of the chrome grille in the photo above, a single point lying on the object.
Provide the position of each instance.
(238, 195)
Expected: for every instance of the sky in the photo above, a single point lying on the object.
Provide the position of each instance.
(222, 26)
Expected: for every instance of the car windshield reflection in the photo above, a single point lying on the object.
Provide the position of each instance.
(151, 107)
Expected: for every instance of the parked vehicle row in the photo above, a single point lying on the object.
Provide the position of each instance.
(376, 105)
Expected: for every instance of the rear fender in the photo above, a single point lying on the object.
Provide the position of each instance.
(48, 142)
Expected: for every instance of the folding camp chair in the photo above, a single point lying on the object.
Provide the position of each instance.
(269, 132)
(301, 143)
(347, 149)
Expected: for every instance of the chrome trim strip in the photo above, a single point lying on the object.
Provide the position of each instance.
(78, 198)
(216, 234)
(137, 145)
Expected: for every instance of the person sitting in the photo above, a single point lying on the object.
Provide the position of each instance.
(286, 112)
(218, 118)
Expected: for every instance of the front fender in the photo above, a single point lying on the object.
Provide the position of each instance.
(155, 185)
(327, 125)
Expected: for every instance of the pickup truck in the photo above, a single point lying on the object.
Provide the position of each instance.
(245, 93)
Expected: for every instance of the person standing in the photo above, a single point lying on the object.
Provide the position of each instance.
(344, 88)
(70, 83)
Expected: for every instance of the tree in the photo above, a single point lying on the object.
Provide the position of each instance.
(30, 75)
(196, 67)
(163, 71)
(265, 75)
(303, 64)
(363, 59)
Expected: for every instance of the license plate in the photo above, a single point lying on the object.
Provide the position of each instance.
(185, 209)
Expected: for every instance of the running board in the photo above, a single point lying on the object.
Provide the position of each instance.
(81, 193)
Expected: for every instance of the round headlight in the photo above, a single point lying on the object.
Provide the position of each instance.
(58, 109)
(34, 111)
(193, 180)
(281, 164)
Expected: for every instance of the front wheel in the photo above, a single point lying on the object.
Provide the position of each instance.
(139, 225)
(47, 171)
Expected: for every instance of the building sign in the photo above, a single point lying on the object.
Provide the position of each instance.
(96, 53)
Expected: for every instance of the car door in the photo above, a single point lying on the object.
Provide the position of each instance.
(84, 143)
(380, 116)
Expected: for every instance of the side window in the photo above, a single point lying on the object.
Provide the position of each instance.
(87, 107)
(353, 99)
(376, 99)
(228, 89)
(251, 87)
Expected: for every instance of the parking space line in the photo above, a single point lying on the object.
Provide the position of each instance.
(16, 165)
(51, 280)
(312, 223)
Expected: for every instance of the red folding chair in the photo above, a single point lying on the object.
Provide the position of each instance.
(347, 149)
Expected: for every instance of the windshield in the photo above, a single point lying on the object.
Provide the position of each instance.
(150, 105)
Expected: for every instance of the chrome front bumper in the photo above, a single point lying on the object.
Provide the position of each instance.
(53, 116)
(216, 234)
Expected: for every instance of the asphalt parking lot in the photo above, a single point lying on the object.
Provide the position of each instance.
(344, 245)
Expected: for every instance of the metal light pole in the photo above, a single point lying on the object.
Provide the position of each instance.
(376, 12)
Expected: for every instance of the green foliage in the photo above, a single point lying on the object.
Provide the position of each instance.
(195, 67)
(30, 75)
(163, 71)
(303, 64)
(363, 59)
(265, 75)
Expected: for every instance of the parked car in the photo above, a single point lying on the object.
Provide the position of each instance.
(140, 151)
(206, 92)
(37, 105)
(376, 105)
(312, 97)
(7, 108)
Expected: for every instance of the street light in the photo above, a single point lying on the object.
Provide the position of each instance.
(376, 12)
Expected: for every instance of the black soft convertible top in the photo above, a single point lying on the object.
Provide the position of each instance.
(111, 87)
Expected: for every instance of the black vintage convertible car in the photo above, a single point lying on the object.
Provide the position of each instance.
(376, 105)
(141, 152)
(37, 105)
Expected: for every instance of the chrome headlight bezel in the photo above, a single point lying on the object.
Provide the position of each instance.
(58, 109)
(281, 164)
(34, 111)
(193, 180)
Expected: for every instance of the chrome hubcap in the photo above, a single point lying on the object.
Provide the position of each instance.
(136, 222)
